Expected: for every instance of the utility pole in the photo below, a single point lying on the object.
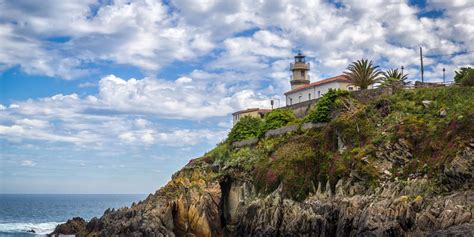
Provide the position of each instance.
(271, 102)
(402, 69)
(421, 60)
(444, 75)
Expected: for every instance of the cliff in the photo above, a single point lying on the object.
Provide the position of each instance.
(400, 165)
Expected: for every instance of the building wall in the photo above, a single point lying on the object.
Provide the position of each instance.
(315, 92)
(237, 117)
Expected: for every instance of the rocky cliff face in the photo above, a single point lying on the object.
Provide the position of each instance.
(196, 204)
(378, 171)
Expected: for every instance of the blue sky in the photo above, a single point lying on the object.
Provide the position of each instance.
(116, 96)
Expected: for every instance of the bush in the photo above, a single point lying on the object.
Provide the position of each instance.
(219, 153)
(468, 79)
(247, 128)
(294, 164)
(459, 74)
(277, 119)
(321, 112)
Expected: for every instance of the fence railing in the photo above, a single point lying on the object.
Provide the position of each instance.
(300, 66)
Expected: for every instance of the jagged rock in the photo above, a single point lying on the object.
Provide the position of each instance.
(460, 171)
(73, 226)
(194, 203)
(397, 153)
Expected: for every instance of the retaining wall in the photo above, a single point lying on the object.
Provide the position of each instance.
(278, 132)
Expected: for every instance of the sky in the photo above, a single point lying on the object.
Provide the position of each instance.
(104, 96)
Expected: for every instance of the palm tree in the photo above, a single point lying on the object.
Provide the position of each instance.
(394, 78)
(362, 73)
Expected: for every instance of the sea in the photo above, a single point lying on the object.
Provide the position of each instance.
(20, 214)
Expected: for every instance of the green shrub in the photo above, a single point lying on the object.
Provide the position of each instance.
(468, 79)
(321, 112)
(219, 153)
(295, 165)
(277, 118)
(459, 74)
(247, 128)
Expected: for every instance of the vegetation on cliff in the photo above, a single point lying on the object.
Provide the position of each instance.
(426, 126)
(397, 164)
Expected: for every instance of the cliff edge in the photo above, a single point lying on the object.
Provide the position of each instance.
(398, 165)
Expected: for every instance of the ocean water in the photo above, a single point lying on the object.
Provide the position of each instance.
(20, 213)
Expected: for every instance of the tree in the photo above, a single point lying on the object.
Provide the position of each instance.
(459, 74)
(246, 128)
(277, 119)
(468, 79)
(394, 78)
(362, 73)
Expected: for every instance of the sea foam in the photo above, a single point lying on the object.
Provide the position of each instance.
(38, 228)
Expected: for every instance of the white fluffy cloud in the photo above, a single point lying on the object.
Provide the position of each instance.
(244, 47)
(182, 98)
(248, 36)
(124, 110)
(139, 33)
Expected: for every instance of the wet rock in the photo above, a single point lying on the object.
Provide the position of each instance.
(73, 226)
(193, 204)
(460, 171)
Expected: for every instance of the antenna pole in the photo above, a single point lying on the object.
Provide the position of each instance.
(421, 61)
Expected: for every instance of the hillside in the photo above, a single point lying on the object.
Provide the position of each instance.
(386, 166)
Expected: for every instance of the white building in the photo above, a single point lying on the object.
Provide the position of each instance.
(317, 89)
(301, 88)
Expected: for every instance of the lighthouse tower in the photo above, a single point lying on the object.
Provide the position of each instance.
(300, 69)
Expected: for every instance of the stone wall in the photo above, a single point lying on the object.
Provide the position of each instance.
(278, 132)
(365, 96)
(369, 95)
(301, 109)
(248, 142)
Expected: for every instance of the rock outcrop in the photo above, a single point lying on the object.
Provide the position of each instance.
(372, 171)
(232, 208)
(73, 226)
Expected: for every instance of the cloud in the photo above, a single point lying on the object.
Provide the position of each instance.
(242, 50)
(138, 33)
(33, 57)
(180, 99)
(183, 80)
(66, 37)
(27, 163)
(126, 111)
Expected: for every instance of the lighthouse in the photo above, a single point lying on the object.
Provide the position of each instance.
(300, 72)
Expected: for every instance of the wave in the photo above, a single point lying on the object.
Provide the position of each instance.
(38, 228)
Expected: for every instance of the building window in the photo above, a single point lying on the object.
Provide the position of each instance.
(309, 96)
(350, 88)
(299, 98)
(302, 74)
(291, 101)
(319, 94)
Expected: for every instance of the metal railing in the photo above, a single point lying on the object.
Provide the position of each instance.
(306, 66)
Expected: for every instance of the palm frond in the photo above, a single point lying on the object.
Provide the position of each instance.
(362, 73)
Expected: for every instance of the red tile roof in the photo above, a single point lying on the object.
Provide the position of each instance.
(340, 78)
